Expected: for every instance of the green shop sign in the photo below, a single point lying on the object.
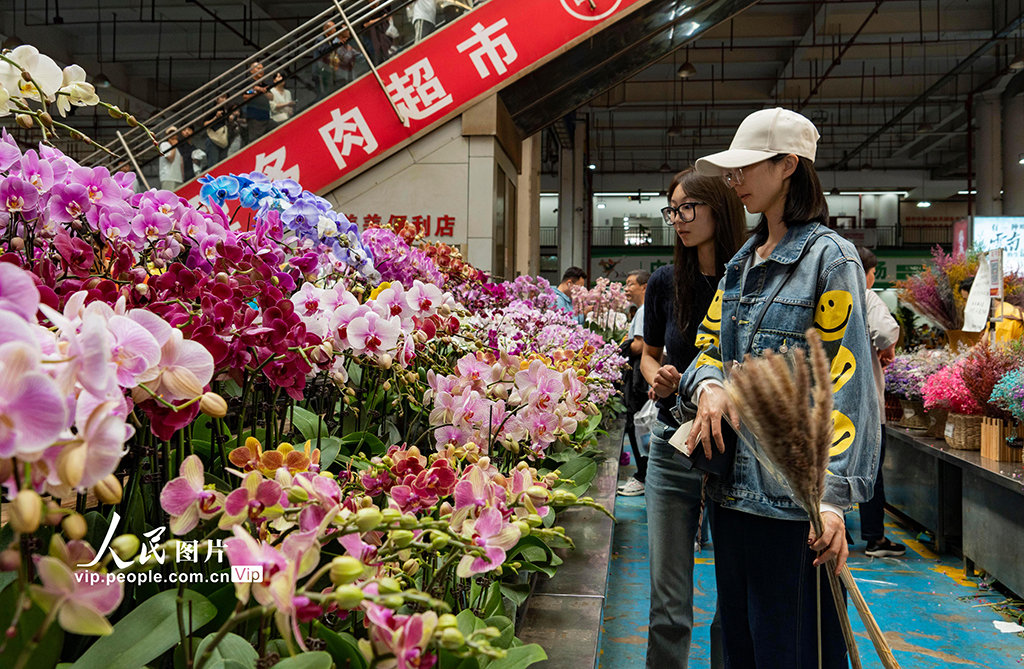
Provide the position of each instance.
(896, 266)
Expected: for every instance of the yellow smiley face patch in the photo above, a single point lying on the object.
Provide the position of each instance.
(843, 367)
(843, 433)
(833, 314)
(713, 319)
(705, 359)
(705, 341)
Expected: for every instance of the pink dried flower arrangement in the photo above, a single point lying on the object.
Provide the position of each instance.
(983, 368)
(946, 390)
(936, 293)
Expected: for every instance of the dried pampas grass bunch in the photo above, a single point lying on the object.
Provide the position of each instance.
(791, 418)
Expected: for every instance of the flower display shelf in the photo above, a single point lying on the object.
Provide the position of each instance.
(937, 419)
(963, 432)
(994, 435)
(914, 415)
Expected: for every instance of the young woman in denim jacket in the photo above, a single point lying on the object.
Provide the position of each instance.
(709, 224)
(765, 556)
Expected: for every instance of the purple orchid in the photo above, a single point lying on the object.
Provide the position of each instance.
(37, 172)
(18, 292)
(187, 499)
(99, 186)
(490, 532)
(33, 411)
(17, 195)
(67, 202)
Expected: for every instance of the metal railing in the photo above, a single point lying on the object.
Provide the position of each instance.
(299, 49)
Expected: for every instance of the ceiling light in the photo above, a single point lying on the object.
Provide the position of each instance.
(1020, 159)
(592, 166)
(963, 192)
(925, 127)
(835, 191)
(675, 130)
(924, 204)
(625, 219)
(1017, 64)
(866, 167)
(665, 167)
(601, 205)
(686, 70)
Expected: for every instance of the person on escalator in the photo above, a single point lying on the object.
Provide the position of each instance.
(424, 18)
(186, 149)
(282, 106)
(256, 109)
(170, 161)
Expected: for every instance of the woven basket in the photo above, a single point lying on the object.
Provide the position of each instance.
(964, 432)
(914, 416)
(893, 410)
(937, 419)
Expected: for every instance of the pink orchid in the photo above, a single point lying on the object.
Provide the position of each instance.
(81, 606)
(134, 350)
(18, 292)
(243, 550)
(474, 373)
(257, 499)
(187, 499)
(405, 637)
(423, 299)
(370, 334)
(102, 432)
(391, 302)
(475, 491)
(450, 435)
(33, 411)
(541, 426)
(359, 549)
(340, 321)
(292, 608)
(185, 367)
(445, 405)
(487, 531)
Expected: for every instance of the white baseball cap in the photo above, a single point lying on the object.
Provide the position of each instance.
(762, 135)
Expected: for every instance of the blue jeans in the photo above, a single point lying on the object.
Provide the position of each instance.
(673, 509)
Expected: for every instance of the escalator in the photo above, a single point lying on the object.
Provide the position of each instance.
(544, 57)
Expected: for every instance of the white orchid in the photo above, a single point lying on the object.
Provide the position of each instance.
(45, 72)
(75, 90)
(5, 102)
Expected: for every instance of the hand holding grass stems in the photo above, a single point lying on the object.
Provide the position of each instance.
(792, 422)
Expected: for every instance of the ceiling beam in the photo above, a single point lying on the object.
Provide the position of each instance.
(800, 50)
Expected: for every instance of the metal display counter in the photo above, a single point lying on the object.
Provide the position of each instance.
(972, 504)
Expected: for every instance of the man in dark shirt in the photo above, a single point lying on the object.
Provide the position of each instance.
(186, 148)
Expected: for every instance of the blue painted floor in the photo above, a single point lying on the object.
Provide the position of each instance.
(932, 615)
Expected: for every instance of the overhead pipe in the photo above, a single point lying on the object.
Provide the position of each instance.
(839, 58)
(934, 88)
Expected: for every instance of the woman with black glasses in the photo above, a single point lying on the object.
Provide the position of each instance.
(709, 224)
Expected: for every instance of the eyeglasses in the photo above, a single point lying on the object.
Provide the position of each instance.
(686, 212)
(733, 178)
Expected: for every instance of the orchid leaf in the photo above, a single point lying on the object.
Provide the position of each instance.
(308, 424)
(315, 660)
(147, 632)
(519, 658)
(232, 647)
(47, 653)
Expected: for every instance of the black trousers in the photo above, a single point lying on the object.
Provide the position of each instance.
(634, 444)
(767, 595)
(872, 512)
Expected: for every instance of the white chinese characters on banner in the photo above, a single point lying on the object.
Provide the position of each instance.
(272, 164)
(418, 93)
(346, 131)
(497, 48)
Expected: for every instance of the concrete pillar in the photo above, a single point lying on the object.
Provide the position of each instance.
(579, 197)
(1013, 151)
(528, 210)
(571, 195)
(989, 157)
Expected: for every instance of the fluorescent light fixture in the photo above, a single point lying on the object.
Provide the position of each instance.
(625, 219)
(963, 192)
(902, 193)
(601, 205)
(592, 166)
(1020, 159)
(632, 194)
(924, 204)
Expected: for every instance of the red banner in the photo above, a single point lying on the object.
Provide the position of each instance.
(431, 82)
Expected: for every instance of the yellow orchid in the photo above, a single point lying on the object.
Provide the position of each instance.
(252, 457)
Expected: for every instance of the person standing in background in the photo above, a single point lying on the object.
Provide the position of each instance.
(281, 104)
(186, 149)
(257, 105)
(884, 331)
(574, 276)
(636, 390)
(424, 18)
(171, 172)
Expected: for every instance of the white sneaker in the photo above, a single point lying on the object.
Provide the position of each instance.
(633, 488)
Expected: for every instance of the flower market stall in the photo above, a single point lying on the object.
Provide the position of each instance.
(953, 460)
(247, 431)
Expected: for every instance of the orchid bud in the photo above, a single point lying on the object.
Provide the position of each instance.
(524, 527)
(367, 519)
(53, 514)
(500, 391)
(563, 498)
(366, 501)
(10, 560)
(46, 119)
(445, 509)
(26, 511)
(452, 638)
(126, 546)
(534, 520)
(538, 493)
(75, 526)
(491, 632)
(393, 602)
(17, 243)
(297, 495)
(446, 621)
(108, 490)
(410, 567)
(274, 280)
(351, 392)
(388, 585)
(222, 278)
(182, 382)
(213, 405)
(345, 569)
(401, 538)
(445, 310)
(24, 121)
(348, 596)
(390, 515)
(115, 112)
(483, 462)
(385, 362)
(387, 385)
(438, 541)
(142, 289)
(408, 521)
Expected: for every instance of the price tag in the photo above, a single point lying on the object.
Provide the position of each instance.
(949, 430)
(908, 412)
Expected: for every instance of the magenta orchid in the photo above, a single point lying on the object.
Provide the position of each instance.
(490, 532)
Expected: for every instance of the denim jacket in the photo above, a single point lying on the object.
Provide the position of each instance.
(826, 291)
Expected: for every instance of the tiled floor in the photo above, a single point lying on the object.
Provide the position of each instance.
(933, 616)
